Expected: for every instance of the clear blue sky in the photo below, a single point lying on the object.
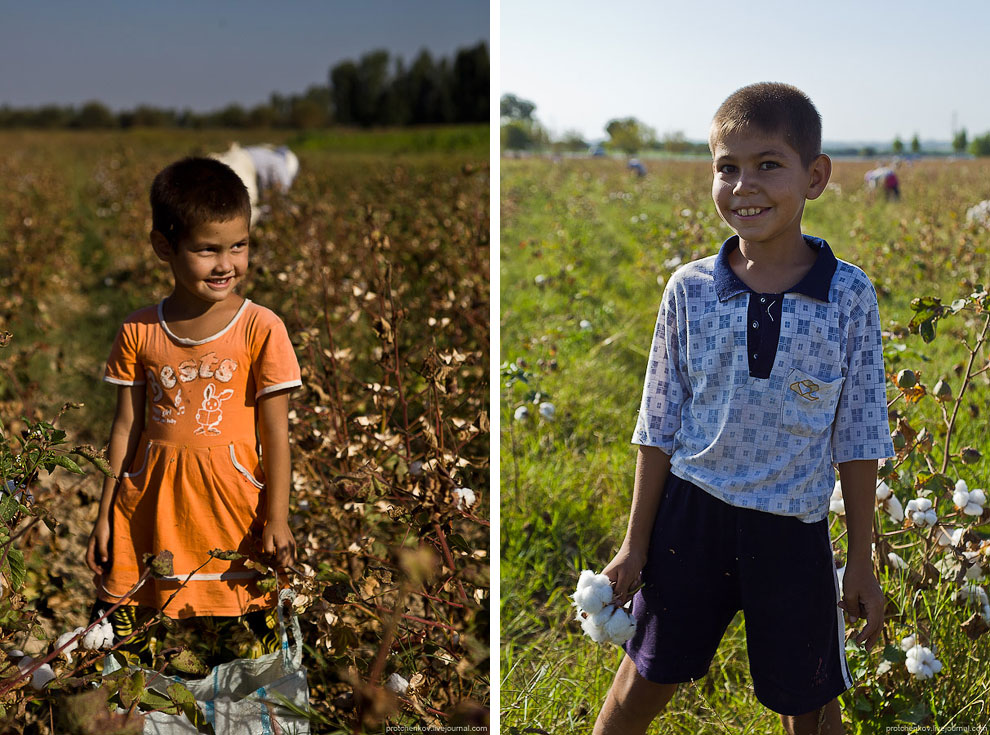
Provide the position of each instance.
(204, 55)
(874, 69)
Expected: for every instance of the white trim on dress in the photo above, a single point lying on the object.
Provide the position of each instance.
(118, 381)
(193, 342)
(222, 576)
(243, 470)
(279, 386)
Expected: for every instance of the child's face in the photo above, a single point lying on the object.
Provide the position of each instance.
(210, 261)
(760, 186)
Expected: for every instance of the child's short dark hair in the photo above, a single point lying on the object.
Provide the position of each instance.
(193, 191)
(772, 108)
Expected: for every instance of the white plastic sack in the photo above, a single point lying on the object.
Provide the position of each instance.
(242, 696)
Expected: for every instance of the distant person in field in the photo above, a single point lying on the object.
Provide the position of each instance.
(765, 373)
(203, 380)
(262, 168)
(884, 178)
(636, 165)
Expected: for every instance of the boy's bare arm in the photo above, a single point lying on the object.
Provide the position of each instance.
(277, 538)
(652, 468)
(861, 595)
(125, 432)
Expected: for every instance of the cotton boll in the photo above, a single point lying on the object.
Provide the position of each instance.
(464, 497)
(107, 634)
(894, 509)
(920, 512)
(25, 663)
(41, 676)
(548, 411)
(961, 487)
(594, 592)
(93, 640)
(949, 536)
(591, 629)
(65, 638)
(521, 414)
(620, 627)
(922, 662)
(896, 561)
(585, 325)
(883, 490)
(397, 684)
(835, 503)
(908, 643)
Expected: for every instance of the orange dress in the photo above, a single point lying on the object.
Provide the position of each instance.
(196, 481)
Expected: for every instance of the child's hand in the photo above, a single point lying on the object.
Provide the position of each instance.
(277, 540)
(862, 597)
(97, 549)
(624, 571)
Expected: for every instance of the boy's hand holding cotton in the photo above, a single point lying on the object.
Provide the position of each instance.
(601, 619)
(862, 596)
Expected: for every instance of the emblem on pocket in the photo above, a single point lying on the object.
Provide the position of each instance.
(806, 389)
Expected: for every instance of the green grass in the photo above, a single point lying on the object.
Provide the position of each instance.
(603, 243)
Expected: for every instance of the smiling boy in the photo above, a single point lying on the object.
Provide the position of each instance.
(765, 374)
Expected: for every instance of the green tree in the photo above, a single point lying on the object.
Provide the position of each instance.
(429, 92)
(522, 135)
(959, 141)
(675, 142)
(344, 91)
(629, 134)
(471, 84)
(980, 146)
(898, 145)
(571, 141)
(915, 144)
(515, 108)
(94, 115)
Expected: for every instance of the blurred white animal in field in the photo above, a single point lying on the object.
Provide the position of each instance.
(979, 213)
(261, 167)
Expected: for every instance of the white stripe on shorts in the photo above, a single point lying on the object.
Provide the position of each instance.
(841, 623)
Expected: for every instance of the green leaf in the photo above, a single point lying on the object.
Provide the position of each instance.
(64, 462)
(185, 700)
(14, 568)
(153, 700)
(225, 554)
(95, 458)
(927, 331)
(894, 654)
(188, 663)
(131, 689)
(8, 508)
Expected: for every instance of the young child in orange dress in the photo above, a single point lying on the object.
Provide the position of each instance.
(203, 378)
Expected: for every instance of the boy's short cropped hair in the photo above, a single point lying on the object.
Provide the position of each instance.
(775, 109)
(193, 191)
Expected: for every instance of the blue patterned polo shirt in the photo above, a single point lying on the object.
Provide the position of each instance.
(756, 396)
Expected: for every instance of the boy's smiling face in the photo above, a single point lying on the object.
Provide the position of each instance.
(209, 261)
(760, 186)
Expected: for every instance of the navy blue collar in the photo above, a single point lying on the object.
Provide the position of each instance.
(815, 283)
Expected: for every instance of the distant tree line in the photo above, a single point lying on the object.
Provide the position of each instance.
(368, 92)
(521, 131)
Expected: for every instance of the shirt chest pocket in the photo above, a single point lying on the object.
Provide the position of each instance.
(809, 403)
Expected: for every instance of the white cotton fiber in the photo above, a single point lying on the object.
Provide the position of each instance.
(594, 591)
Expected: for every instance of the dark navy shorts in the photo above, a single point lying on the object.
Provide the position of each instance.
(709, 559)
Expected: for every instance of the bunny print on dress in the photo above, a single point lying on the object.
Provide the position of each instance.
(209, 415)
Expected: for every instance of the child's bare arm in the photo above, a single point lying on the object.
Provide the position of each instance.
(274, 433)
(128, 423)
(862, 595)
(652, 468)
